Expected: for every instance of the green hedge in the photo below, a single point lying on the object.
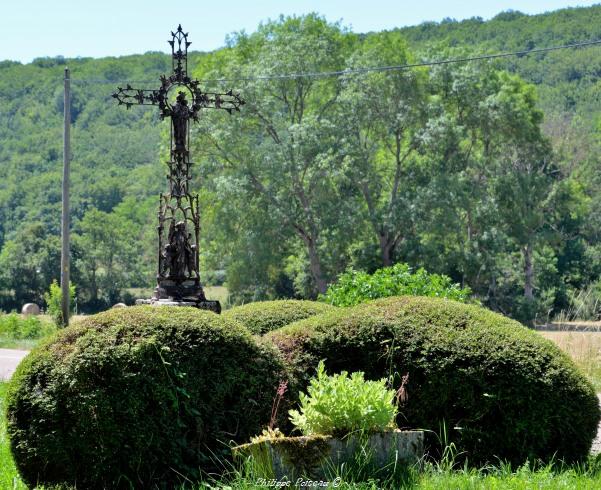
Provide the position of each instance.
(138, 396)
(502, 390)
(265, 316)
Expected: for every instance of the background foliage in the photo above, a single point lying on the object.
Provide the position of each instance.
(487, 173)
(355, 287)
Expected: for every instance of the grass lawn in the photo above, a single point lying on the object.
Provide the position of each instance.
(9, 479)
(520, 480)
(24, 332)
(22, 344)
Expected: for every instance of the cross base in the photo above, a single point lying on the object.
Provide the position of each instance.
(186, 293)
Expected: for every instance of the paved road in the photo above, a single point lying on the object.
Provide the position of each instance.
(9, 360)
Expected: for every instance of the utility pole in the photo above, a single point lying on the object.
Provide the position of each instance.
(66, 296)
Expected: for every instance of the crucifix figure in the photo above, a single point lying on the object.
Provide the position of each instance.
(180, 99)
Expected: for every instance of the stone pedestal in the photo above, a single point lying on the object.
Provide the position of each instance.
(289, 458)
(210, 305)
(186, 293)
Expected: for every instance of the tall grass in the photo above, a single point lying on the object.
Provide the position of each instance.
(584, 305)
(503, 477)
(584, 348)
(433, 476)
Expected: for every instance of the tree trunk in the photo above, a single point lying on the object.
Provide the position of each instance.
(315, 264)
(386, 249)
(528, 272)
(492, 290)
(94, 286)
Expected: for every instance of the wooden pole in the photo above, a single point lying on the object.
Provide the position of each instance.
(65, 211)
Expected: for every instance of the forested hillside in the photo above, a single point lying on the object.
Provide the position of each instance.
(115, 172)
(465, 170)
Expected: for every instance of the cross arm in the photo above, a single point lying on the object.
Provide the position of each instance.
(227, 101)
(129, 96)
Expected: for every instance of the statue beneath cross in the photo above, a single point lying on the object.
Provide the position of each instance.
(178, 277)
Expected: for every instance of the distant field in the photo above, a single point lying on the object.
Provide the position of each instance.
(584, 348)
(581, 325)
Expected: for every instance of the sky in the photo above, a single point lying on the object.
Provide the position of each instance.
(36, 28)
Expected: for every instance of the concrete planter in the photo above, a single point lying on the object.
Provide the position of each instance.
(315, 456)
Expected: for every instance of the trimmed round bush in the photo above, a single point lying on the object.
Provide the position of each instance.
(138, 397)
(265, 316)
(501, 390)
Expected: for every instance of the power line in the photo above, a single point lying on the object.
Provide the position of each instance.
(358, 71)
(112, 82)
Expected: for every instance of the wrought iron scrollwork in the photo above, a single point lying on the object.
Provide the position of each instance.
(178, 265)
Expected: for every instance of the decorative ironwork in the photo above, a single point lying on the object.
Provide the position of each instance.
(178, 275)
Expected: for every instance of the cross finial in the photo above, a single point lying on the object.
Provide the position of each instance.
(179, 53)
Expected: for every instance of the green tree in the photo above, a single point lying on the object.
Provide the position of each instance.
(383, 114)
(28, 264)
(284, 149)
(108, 260)
(54, 301)
(525, 173)
(493, 173)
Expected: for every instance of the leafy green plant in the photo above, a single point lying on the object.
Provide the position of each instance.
(341, 404)
(16, 327)
(54, 298)
(354, 287)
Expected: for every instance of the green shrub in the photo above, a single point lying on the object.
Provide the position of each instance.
(16, 327)
(341, 404)
(264, 316)
(138, 396)
(354, 287)
(54, 299)
(502, 390)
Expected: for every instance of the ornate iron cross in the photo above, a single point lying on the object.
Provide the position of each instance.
(178, 275)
